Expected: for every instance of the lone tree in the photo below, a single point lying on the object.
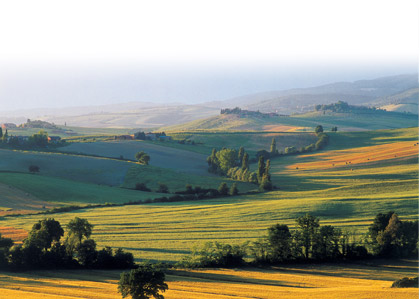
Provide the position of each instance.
(142, 158)
(319, 129)
(142, 283)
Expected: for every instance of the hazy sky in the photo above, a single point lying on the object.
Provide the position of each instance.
(56, 53)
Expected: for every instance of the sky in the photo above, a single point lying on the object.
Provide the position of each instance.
(77, 53)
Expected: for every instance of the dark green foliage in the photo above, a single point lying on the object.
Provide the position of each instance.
(291, 150)
(274, 151)
(334, 129)
(43, 233)
(163, 188)
(1, 132)
(240, 154)
(144, 282)
(263, 153)
(322, 141)
(86, 253)
(279, 238)
(245, 161)
(142, 158)
(140, 136)
(391, 237)
(40, 139)
(142, 187)
(227, 158)
(308, 226)
(79, 228)
(265, 183)
(5, 137)
(223, 189)
(33, 168)
(318, 129)
(215, 254)
(233, 190)
(406, 282)
(261, 168)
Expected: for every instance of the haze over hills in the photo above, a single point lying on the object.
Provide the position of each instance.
(395, 93)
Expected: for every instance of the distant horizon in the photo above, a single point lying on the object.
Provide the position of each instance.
(186, 90)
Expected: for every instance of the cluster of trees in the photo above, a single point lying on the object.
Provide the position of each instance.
(344, 107)
(242, 112)
(235, 164)
(43, 248)
(388, 236)
(38, 124)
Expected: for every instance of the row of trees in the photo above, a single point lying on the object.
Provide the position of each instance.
(388, 236)
(43, 248)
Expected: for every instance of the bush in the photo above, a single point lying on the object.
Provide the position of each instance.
(406, 282)
(142, 187)
(33, 168)
(163, 188)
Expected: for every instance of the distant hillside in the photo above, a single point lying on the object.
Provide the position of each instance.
(352, 118)
(300, 100)
(406, 101)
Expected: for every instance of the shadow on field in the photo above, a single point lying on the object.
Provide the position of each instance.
(372, 270)
(180, 275)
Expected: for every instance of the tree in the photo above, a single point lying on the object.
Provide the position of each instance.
(142, 158)
(319, 129)
(163, 188)
(43, 233)
(273, 147)
(213, 161)
(5, 137)
(245, 161)
(265, 183)
(226, 159)
(33, 168)
(279, 238)
(241, 154)
(308, 228)
(223, 189)
(1, 132)
(86, 253)
(143, 283)
(233, 190)
(261, 168)
(40, 139)
(80, 228)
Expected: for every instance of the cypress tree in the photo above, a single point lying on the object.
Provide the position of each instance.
(261, 168)
(241, 154)
(245, 161)
(234, 190)
(273, 146)
(1, 132)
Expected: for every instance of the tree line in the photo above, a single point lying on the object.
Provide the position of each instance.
(387, 237)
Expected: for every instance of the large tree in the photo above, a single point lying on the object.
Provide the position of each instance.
(261, 168)
(79, 228)
(143, 283)
(273, 146)
(227, 159)
(306, 235)
(43, 233)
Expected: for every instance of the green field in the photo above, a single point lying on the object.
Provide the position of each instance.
(341, 195)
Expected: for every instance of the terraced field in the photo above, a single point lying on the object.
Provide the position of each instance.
(314, 281)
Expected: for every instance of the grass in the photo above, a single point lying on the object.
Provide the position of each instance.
(346, 198)
(314, 281)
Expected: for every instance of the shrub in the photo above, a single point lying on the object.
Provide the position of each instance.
(406, 282)
(163, 188)
(142, 187)
(33, 168)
